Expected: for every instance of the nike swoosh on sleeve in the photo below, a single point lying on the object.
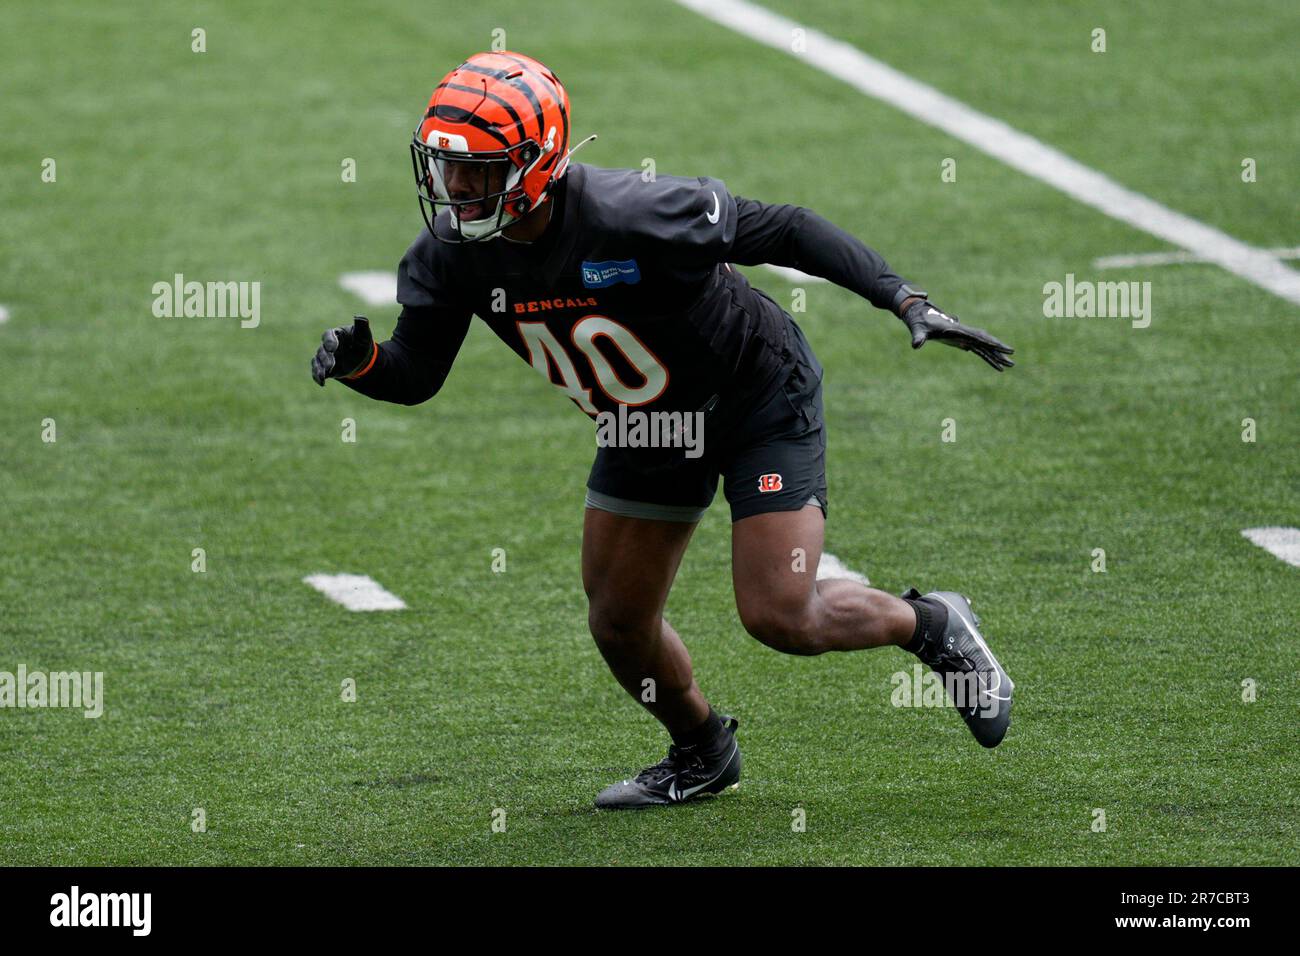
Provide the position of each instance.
(717, 210)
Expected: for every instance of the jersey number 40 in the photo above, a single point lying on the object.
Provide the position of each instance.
(541, 343)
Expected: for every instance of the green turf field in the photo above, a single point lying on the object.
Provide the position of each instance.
(222, 688)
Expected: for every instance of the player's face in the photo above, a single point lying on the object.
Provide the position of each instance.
(474, 181)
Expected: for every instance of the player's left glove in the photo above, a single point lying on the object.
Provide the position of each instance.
(928, 323)
(343, 351)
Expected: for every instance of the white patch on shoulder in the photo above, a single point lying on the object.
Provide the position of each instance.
(372, 288)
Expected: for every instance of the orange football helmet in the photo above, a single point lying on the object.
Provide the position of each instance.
(492, 144)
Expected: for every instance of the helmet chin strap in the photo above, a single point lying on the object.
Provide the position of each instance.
(576, 148)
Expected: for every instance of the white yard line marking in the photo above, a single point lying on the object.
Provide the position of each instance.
(992, 136)
(832, 567)
(372, 288)
(1282, 543)
(792, 275)
(1175, 258)
(4, 314)
(356, 592)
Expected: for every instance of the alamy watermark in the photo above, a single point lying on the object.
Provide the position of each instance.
(633, 428)
(79, 690)
(208, 300)
(1105, 300)
(926, 688)
(130, 910)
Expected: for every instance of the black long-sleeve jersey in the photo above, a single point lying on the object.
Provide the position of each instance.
(628, 298)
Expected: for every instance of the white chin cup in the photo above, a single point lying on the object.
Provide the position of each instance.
(478, 228)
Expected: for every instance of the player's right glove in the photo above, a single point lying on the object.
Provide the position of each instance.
(344, 351)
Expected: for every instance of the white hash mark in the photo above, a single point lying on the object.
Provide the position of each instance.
(372, 288)
(832, 567)
(356, 592)
(1282, 543)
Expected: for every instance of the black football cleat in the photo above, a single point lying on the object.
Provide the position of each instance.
(687, 773)
(976, 683)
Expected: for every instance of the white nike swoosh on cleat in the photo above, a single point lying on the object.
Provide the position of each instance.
(983, 644)
(678, 796)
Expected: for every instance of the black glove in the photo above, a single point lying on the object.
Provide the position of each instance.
(929, 323)
(343, 351)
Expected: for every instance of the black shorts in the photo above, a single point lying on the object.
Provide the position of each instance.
(771, 456)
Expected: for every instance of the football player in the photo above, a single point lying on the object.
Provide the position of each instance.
(619, 288)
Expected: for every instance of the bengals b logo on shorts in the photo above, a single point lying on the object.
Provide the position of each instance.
(768, 483)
